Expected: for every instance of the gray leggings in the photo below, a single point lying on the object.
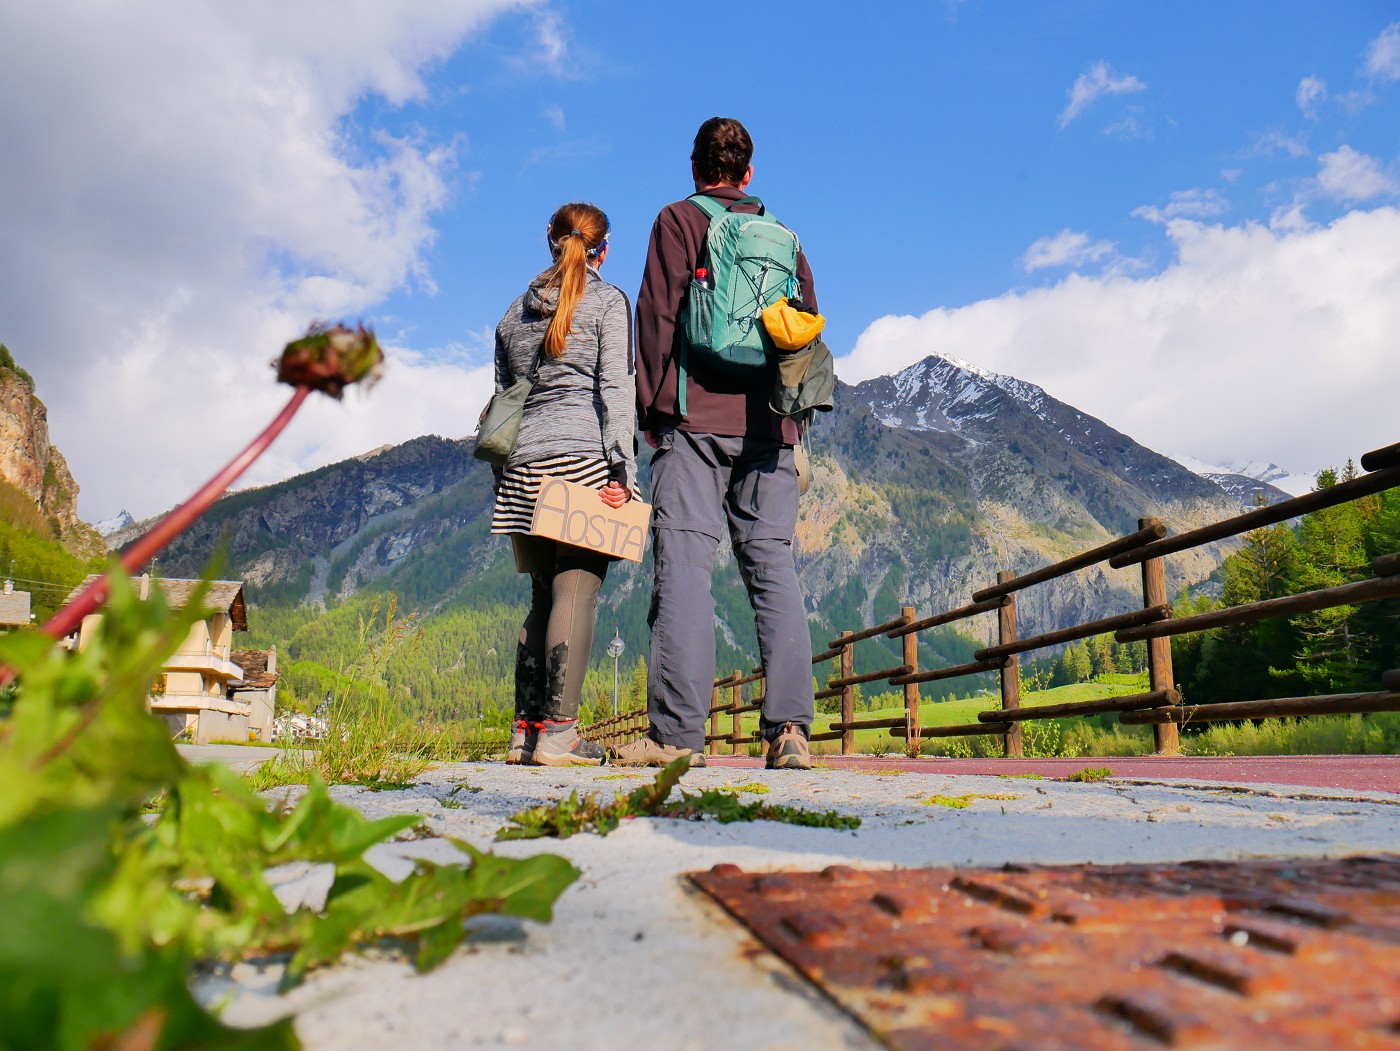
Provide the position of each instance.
(556, 639)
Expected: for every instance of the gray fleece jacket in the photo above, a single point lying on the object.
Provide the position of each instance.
(584, 402)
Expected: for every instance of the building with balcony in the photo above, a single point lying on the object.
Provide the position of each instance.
(197, 694)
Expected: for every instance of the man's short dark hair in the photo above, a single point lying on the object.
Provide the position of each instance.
(722, 151)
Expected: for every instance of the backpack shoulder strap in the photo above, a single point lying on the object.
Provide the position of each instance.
(711, 207)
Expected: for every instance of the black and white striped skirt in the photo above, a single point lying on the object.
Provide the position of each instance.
(520, 487)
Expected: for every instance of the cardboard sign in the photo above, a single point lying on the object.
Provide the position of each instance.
(574, 514)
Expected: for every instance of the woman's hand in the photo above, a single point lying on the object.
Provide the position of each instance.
(615, 495)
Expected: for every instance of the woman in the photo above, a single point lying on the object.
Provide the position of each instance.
(574, 330)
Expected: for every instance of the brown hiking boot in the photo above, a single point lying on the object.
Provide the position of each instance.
(789, 750)
(559, 744)
(646, 752)
(522, 742)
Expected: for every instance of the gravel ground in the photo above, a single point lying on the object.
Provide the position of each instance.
(635, 958)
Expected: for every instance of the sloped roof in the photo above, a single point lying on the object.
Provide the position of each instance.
(14, 608)
(226, 596)
(255, 673)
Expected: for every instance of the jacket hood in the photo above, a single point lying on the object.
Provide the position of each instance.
(540, 298)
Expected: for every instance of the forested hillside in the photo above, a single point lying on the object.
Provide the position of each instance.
(1332, 651)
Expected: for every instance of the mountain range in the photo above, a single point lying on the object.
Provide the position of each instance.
(925, 483)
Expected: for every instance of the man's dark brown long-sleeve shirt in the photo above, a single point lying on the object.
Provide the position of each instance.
(716, 403)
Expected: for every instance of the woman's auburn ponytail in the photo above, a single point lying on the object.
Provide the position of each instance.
(571, 272)
(575, 230)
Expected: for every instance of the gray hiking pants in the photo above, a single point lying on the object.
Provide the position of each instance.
(700, 482)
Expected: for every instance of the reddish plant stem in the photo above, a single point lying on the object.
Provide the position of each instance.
(168, 528)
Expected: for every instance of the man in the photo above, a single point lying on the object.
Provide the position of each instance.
(722, 457)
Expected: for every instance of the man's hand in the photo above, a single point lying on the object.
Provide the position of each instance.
(615, 495)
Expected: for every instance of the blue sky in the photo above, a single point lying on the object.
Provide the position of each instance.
(918, 155)
(1178, 217)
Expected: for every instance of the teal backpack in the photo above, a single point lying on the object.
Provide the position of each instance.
(750, 262)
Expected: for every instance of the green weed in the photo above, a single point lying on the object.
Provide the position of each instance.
(964, 801)
(588, 813)
(122, 866)
(1090, 773)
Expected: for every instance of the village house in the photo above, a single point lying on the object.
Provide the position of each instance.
(207, 691)
(14, 608)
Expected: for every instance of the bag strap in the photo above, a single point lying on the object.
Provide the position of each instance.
(711, 207)
(681, 373)
(534, 374)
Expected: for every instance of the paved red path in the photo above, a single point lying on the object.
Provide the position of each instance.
(1374, 773)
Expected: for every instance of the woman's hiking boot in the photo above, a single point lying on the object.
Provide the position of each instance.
(789, 750)
(648, 752)
(559, 744)
(522, 742)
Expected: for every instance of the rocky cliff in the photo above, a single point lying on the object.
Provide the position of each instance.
(30, 463)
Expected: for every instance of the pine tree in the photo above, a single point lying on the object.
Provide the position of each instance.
(1101, 656)
(1249, 661)
(1332, 656)
(637, 685)
(1075, 664)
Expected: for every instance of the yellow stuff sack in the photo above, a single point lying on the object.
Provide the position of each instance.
(791, 329)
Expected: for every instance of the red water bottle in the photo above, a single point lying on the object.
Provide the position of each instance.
(701, 273)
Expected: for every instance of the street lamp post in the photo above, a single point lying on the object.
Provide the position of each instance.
(615, 649)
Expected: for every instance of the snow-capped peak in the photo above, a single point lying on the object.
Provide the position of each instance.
(112, 525)
(1259, 470)
(964, 382)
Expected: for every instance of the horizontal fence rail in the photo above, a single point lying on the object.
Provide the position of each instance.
(1161, 706)
(1341, 493)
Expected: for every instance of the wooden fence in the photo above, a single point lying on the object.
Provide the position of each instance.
(1160, 706)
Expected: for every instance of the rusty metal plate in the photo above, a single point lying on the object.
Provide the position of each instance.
(1207, 954)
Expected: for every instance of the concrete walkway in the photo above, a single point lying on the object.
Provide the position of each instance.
(634, 958)
(1367, 773)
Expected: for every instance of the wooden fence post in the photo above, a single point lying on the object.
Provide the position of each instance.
(713, 748)
(848, 695)
(736, 696)
(1011, 671)
(1159, 651)
(911, 689)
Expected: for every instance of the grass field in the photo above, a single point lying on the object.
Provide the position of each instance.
(1103, 735)
(950, 712)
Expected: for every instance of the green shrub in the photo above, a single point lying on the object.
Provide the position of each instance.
(121, 866)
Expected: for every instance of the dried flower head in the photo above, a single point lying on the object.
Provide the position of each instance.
(329, 359)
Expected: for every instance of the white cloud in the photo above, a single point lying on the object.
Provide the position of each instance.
(1185, 204)
(190, 196)
(1312, 92)
(1129, 128)
(554, 114)
(1349, 176)
(1383, 56)
(1066, 248)
(551, 54)
(1253, 344)
(1097, 82)
(1271, 142)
